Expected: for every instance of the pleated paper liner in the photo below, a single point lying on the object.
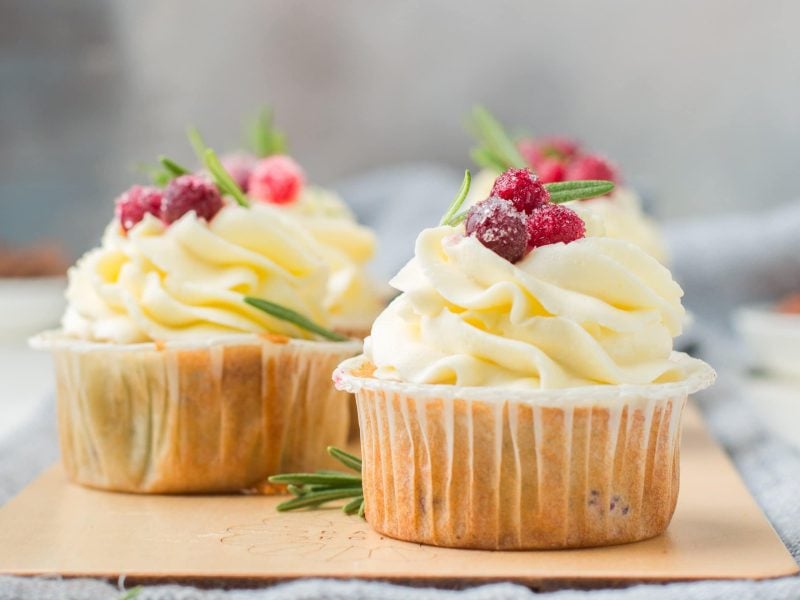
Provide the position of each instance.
(204, 416)
(494, 468)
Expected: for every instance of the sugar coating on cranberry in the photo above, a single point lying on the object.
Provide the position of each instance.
(277, 179)
(522, 189)
(239, 166)
(592, 166)
(499, 226)
(190, 193)
(133, 205)
(553, 223)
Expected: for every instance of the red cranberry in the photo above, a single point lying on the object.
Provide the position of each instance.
(592, 166)
(134, 204)
(554, 148)
(553, 223)
(499, 226)
(190, 193)
(551, 170)
(239, 167)
(276, 179)
(522, 189)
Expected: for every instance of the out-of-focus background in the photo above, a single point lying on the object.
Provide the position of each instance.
(697, 103)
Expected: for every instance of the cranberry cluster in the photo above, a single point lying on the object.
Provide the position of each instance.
(277, 179)
(560, 159)
(182, 194)
(518, 217)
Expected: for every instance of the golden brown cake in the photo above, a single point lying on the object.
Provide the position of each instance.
(509, 470)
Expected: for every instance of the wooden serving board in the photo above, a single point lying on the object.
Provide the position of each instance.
(55, 527)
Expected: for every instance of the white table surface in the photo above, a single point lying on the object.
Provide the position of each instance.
(27, 380)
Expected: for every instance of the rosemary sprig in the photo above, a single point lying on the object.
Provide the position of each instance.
(312, 490)
(262, 137)
(173, 168)
(287, 314)
(564, 191)
(458, 201)
(210, 160)
(496, 149)
(223, 179)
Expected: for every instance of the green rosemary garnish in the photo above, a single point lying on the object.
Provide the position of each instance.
(223, 179)
(164, 172)
(496, 150)
(132, 593)
(458, 201)
(262, 137)
(287, 314)
(564, 191)
(312, 490)
(210, 160)
(173, 168)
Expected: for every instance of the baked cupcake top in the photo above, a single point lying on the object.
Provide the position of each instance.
(197, 259)
(267, 174)
(526, 293)
(556, 159)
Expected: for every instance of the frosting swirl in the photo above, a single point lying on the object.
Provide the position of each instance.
(352, 299)
(188, 280)
(595, 311)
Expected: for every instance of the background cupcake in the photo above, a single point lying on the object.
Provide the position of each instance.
(193, 355)
(522, 391)
(267, 174)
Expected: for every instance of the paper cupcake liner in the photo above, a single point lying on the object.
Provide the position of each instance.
(221, 415)
(358, 332)
(520, 469)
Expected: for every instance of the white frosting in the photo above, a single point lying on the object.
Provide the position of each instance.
(353, 300)
(188, 280)
(595, 311)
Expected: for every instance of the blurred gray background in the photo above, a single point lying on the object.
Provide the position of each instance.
(696, 101)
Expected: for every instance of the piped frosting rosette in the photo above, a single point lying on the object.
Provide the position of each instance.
(597, 310)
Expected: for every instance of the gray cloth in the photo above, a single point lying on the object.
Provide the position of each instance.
(769, 467)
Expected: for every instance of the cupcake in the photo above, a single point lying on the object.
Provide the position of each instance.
(522, 392)
(194, 354)
(557, 159)
(267, 174)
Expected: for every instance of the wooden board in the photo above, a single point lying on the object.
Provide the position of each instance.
(54, 527)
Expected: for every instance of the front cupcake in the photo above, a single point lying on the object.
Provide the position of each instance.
(522, 391)
(193, 356)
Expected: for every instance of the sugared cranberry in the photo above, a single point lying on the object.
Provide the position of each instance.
(134, 204)
(551, 170)
(187, 193)
(239, 167)
(553, 223)
(276, 179)
(592, 166)
(499, 226)
(522, 189)
(553, 148)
